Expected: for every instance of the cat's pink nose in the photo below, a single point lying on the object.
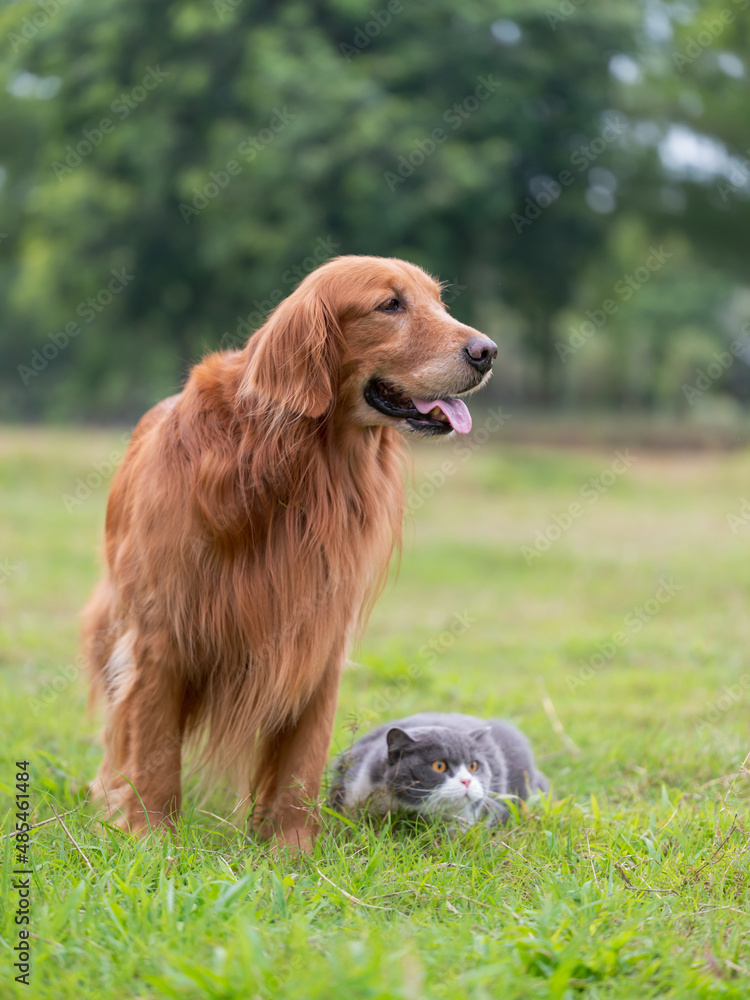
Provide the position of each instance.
(466, 781)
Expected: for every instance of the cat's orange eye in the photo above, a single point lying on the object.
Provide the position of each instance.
(473, 766)
(440, 766)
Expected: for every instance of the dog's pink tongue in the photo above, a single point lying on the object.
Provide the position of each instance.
(455, 410)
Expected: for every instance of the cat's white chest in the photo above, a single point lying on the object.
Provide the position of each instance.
(360, 789)
(363, 792)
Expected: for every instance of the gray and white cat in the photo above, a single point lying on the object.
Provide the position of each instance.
(450, 765)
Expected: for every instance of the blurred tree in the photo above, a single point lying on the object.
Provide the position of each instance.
(171, 169)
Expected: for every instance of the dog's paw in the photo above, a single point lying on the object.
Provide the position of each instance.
(295, 840)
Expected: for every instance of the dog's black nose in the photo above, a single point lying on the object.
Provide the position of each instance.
(480, 353)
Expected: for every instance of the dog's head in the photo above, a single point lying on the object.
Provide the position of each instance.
(371, 337)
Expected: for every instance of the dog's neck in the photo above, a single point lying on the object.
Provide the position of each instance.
(273, 471)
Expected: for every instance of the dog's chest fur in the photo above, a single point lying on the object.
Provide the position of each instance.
(300, 573)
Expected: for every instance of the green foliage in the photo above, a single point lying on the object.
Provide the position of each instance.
(215, 152)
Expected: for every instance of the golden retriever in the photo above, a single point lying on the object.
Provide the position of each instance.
(253, 516)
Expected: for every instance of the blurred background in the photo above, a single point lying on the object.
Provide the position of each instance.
(579, 172)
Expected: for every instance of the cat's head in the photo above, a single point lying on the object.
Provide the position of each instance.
(440, 771)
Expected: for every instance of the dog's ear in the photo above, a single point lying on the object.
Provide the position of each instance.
(294, 356)
(397, 741)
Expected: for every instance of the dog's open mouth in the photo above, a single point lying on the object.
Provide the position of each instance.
(438, 416)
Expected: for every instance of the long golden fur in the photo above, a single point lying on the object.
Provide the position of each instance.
(249, 524)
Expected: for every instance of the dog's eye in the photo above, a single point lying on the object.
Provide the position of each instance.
(392, 305)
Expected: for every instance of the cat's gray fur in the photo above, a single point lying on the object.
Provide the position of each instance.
(391, 768)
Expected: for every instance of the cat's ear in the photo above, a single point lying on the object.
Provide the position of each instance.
(480, 733)
(398, 741)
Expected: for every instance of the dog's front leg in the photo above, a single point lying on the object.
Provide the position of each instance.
(297, 757)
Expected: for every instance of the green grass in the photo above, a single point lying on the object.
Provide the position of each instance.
(631, 880)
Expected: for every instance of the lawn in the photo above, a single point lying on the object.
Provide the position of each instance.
(598, 600)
